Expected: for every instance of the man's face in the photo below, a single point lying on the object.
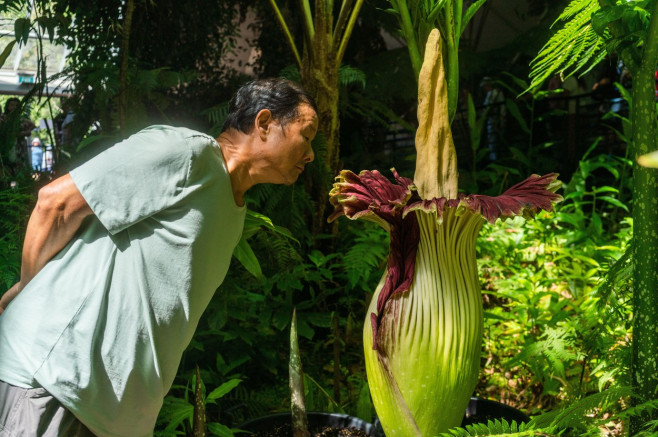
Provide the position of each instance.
(288, 148)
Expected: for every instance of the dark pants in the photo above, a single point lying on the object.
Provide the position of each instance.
(33, 412)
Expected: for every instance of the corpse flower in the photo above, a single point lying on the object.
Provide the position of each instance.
(423, 329)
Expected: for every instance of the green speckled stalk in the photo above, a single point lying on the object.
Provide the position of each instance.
(296, 380)
(645, 230)
(427, 365)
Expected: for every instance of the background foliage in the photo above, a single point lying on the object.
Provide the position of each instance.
(556, 290)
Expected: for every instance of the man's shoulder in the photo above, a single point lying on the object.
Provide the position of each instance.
(175, 136)
(164, 129)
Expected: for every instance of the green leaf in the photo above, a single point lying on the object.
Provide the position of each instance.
(305, 330)
(603, 17)
(613, 201)
(364, 404)
(472, 9)
(220, 430)
(91, 140)
(223, 389)
(6, 52)
(514, 111)
(493, 316)
(176, 411)
(22, 30)
(246, 256)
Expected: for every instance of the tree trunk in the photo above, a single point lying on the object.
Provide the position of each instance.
(645, 234)
(319, 76)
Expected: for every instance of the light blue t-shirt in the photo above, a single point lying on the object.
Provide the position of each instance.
(103, 326)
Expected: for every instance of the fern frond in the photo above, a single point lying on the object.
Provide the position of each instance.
(348, 75)
(498, 428)
(291, 72)
(556, 345)
(639, 410)
(618, 278)
(574, 415)
(572, 48)
(365, 256)
(216, 115)
(573, 8)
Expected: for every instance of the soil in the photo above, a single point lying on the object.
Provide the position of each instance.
(326, 431)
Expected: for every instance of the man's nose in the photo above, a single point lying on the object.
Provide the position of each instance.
(310, 155)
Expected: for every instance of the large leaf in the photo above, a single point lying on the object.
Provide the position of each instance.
(5, 53)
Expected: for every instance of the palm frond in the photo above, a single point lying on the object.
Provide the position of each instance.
(573, 48)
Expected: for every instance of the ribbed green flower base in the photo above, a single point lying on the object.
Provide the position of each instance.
(429, 340)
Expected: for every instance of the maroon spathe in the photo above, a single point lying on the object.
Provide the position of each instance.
(372, 196)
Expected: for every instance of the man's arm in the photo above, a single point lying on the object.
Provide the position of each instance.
(57, 216)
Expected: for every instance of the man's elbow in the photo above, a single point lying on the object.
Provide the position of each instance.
(50, 201)
(61, 199)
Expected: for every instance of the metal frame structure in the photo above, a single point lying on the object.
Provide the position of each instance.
(17, 75)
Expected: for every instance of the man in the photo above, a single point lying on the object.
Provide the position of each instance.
(121, 257)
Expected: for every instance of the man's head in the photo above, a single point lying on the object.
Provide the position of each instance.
(281, 96)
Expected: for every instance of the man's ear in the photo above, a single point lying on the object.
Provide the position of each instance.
(263, 122)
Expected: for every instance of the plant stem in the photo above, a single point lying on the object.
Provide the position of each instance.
(410, 37)
(645, 237)
(336, 347)
(348, 32)
(286, 31)
(452, 79)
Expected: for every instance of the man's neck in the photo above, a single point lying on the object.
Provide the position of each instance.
(232, 146)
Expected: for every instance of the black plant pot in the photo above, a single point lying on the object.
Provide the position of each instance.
(483, 410)
(478, 411)
(316, 420)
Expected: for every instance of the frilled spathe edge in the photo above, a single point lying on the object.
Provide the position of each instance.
(393, 205)
(368, 193)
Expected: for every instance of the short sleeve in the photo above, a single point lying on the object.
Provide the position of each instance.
(137, 177)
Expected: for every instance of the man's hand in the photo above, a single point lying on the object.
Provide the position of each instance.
(9, 295)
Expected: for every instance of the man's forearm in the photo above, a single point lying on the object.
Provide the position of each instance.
(56, 218)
